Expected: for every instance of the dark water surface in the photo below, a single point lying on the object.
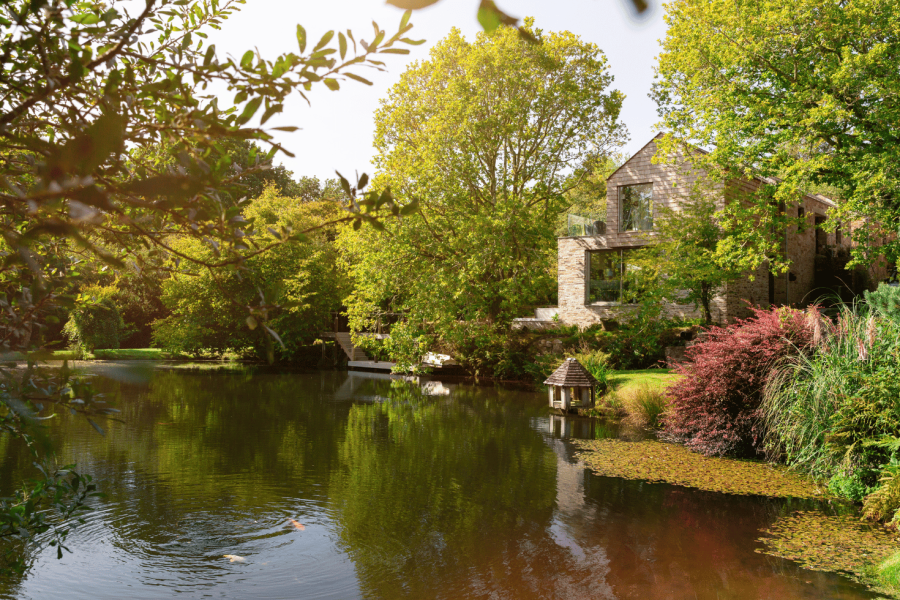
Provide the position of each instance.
(405, 490)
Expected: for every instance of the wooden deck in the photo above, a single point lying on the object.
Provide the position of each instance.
(371, 364)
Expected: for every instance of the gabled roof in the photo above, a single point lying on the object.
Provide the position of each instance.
(762, 178)
(571, 374)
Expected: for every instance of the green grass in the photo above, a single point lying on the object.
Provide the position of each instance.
(889, 575)
(118, 354)
(625, 381)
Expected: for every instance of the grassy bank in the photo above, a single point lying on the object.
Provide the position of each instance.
(109, 354)
(625, 381)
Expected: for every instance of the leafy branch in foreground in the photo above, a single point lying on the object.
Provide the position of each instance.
(88, 86)
(115, 132)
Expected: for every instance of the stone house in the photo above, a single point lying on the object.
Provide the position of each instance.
(593, 257)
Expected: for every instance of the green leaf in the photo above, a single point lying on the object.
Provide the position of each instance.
(301, 38)
(342, 43)
(210, 52)
(363, 181)
(412, 42)
(275, 108)
(251, 322)
(345, 185)
(325, 39)
(85, 19)
(410, 208)
(394, 51)
(332, 84)
(249, 110)
(247, 59)
(355, 77)
(404, 20)
(488, 18)
(97, 427)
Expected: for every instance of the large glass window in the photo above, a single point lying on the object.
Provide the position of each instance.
(636, 207)
(605, 280)
(612, 278)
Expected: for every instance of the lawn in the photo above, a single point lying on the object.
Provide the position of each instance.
(622, 381)
(117, 354)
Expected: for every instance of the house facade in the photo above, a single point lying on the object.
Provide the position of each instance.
(591, 267)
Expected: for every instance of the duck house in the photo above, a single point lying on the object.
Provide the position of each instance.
(571, 384)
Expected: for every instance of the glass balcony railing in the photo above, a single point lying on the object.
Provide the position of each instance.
(580, 225)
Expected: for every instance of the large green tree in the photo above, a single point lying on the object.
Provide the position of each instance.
(484, 136)
(300, 284)
(808, 92)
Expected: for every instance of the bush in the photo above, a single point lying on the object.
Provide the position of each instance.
(405, 347)
(850, 485)
(95, 322)
(487, 350)
(715, 404)
(885, 301)
(884, 503)
(640, 343)
(647, 405)
(835, 412)
(597, 364)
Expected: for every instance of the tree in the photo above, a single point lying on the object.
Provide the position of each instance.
(301, 283)
(85, 89)
(681, 264)
(588, 197)
(807, 92)
(483, 137)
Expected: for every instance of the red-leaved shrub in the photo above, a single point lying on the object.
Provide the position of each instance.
(714, 405)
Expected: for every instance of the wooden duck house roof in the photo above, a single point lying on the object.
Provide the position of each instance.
(571, 374)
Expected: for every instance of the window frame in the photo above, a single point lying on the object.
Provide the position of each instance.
(620, 259)
(621, 192)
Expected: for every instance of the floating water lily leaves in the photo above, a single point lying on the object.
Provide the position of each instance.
(669, 463)
(838, 543)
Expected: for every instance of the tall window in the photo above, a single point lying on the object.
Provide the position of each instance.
(636, 207)
(610, 276)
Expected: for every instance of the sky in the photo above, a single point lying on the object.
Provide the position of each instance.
(336, 129)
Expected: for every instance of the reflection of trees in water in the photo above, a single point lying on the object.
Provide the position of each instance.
(194, 442)
(429, 486)
(432, 496)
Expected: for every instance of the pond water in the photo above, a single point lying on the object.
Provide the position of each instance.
(405, 490)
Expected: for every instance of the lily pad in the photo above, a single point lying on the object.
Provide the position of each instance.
(837, 543)
(670, 463)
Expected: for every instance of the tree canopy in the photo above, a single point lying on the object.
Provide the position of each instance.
(484, 137)
(807, 92)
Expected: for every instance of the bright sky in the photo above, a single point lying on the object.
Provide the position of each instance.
(336, 131)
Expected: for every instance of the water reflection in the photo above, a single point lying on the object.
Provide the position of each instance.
(407, 489)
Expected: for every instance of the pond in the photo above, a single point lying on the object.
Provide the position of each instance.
(403, 490)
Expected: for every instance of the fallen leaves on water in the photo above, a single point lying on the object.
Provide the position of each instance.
(298, 525)
(838, 543)
(659, 462)
(234, 558)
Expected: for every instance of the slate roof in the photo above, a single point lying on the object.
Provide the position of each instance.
(571, 374)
